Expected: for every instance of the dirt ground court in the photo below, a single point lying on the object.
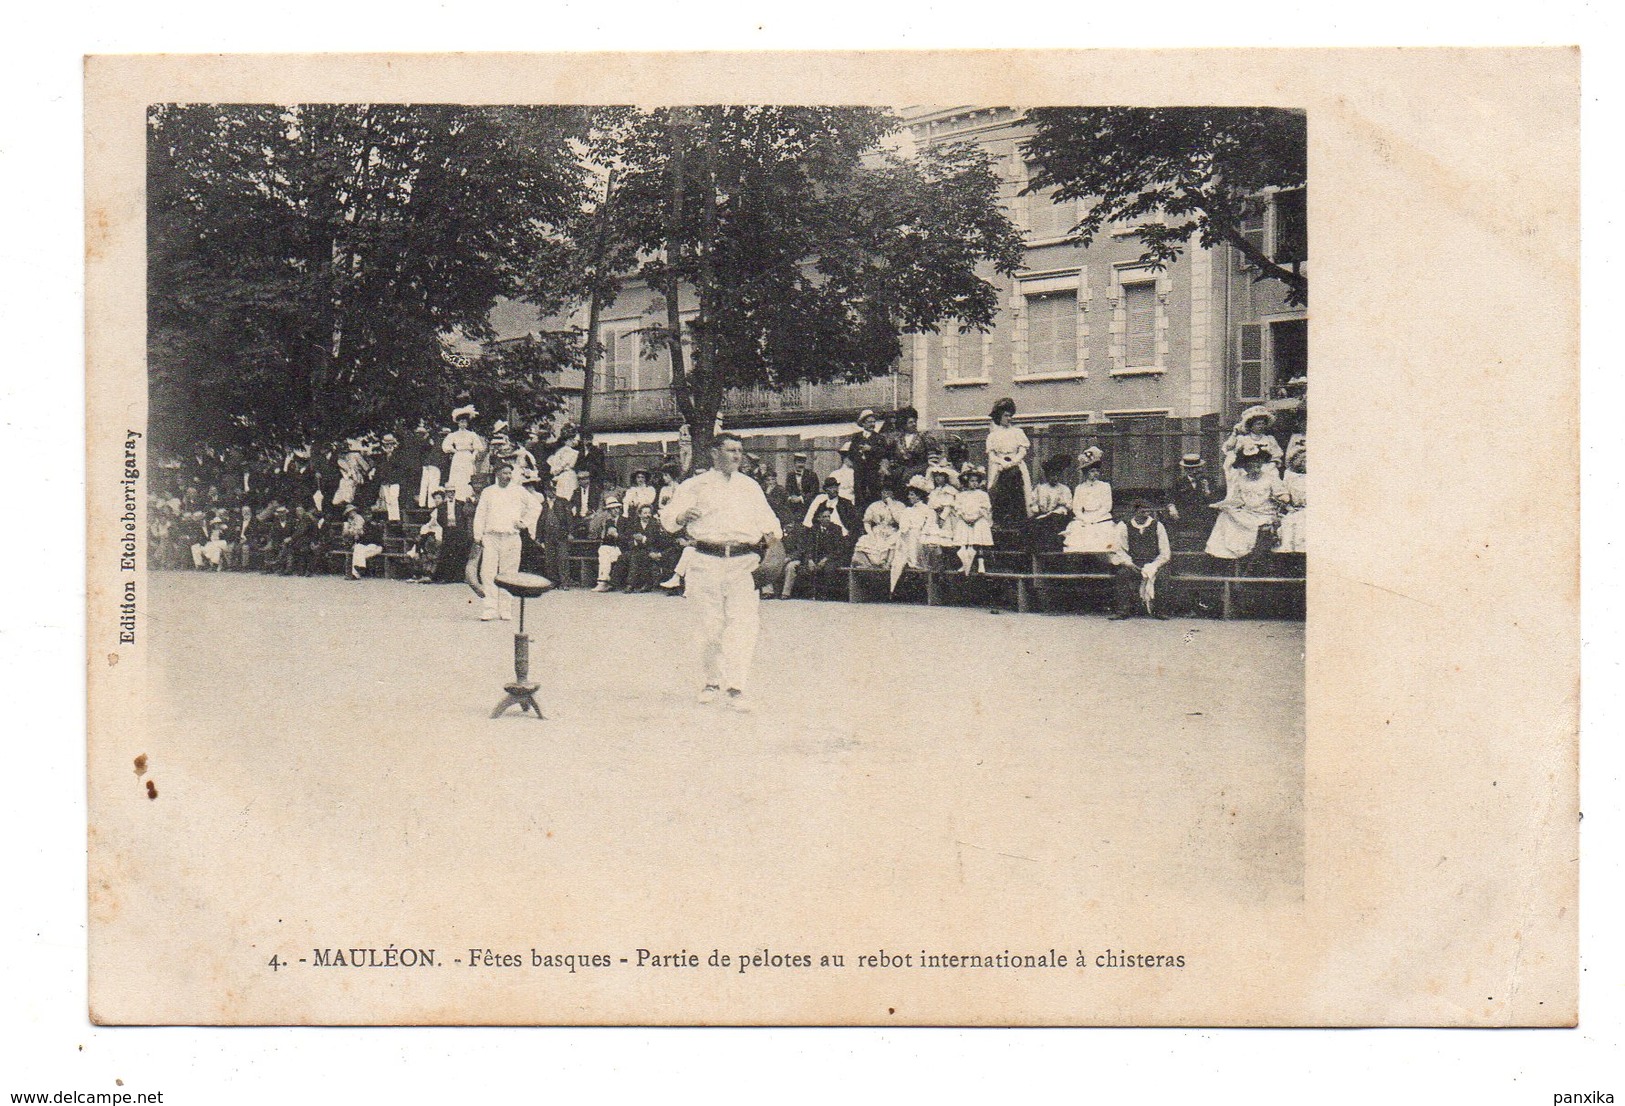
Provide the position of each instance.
(325, 746)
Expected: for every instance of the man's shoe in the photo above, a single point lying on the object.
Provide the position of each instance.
(709, 693)
(738, 701)
(674, 583)
(487, 616)
(601, 586)
(1118, 617)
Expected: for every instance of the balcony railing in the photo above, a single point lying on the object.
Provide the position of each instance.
(647, 406)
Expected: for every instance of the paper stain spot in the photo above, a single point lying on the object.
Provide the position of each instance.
(152, 790)
(141, 765)
(891, 1009)
(120, 1082)
(112, 659)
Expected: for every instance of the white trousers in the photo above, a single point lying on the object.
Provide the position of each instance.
(428, 484)
(391, 495)
(726, 609)
(360, 554)
(607, 556)
(499, 553)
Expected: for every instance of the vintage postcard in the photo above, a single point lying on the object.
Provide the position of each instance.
(823, 538)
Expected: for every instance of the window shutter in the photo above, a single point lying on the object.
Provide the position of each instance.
(1250, 361)
(1140, 305)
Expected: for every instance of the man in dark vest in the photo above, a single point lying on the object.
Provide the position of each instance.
(1142, 553)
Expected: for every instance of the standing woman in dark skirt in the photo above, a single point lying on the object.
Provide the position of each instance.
(1009, 485)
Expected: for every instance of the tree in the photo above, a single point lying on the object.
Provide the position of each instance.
(1202, 170)
(307, 262)
(809, 247)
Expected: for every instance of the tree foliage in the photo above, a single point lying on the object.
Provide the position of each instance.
(1173, 172)
(808, 244)
(307, 262)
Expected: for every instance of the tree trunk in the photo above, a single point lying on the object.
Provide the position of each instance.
(595, 348)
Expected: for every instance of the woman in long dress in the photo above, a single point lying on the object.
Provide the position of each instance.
(1253, 494)
(463, 446)
(1091, 529)
(1009, 484)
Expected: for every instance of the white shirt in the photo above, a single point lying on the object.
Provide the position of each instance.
(504, 510)
(732, 509)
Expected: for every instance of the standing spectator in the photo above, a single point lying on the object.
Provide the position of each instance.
(866, 452)
(1052, 506)
(670, 477)
(1009, 482)
(463, 446)
(909, 449)
(354, 469)
(1142, 552)
(973, 519)
(428, 478)
(504, 509)
(397, 469)
(1091, 529)
(557, 520)
(843, 474)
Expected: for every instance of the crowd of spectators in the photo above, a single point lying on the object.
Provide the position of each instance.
(897, 499)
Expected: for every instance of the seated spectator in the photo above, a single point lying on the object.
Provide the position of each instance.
(973, 519)
(271, 542)
(876, 546)
(1248, 512)
(825, 546)
(1052, 506)
(938, 535)
(361, 534)
(834, 498)
(1141, 556)
(1091, 529)
(1189, 502)
(1252, 432)
(246, 540)
(304, 542)
(603, 528)
(645, 549)
(915, 519)
(640, 494)
(1293, 534)
(211, 551)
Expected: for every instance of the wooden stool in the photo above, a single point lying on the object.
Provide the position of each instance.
(521, 693)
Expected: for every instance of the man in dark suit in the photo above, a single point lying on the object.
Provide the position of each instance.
(800, 486)
(645, 551)
(867, 455)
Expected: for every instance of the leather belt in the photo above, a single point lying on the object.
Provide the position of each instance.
(727, 549)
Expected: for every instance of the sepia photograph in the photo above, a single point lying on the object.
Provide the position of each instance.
(721, 561)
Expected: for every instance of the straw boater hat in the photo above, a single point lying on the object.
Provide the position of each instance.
(866, 413)
(612, 501)
(1090, 458)
(1259, 412)
(1191, 461)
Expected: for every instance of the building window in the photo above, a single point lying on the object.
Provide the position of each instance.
(1140, 325)
(1047, 219)
(1291, 211)
(1052, 333)
(1252, 229)
(937, 364)
(618, 370)
(971, 360)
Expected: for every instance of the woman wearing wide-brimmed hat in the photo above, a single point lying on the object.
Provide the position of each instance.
(973, 518)
(1051, 505)
(1253, 494)
(1253, 429)
(464, 447)
(1091, 529)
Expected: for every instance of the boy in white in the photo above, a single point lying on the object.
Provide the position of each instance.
(504, 509)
